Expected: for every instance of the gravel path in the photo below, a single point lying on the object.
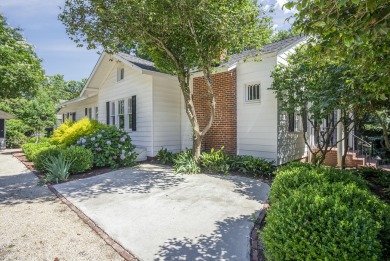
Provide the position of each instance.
(35, 225)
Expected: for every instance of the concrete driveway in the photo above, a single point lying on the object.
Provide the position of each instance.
(158, 215)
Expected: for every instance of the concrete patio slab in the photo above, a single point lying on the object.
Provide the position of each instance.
(159, 215)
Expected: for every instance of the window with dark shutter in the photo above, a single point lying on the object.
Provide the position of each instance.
(108, 113)
(304, 121)
(291, 122)
(134, 112)
(86, 112)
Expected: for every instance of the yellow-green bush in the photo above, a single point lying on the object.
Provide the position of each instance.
(69, 133)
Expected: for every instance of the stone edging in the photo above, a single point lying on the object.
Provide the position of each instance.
(256, 252)
(115, 245)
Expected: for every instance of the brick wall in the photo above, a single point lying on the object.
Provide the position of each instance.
(224, 129)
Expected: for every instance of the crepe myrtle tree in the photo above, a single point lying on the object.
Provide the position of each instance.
(316, 91)
(179, 35)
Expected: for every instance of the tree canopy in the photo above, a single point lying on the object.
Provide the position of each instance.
(350, 32)
(20, 69)
(179, 36)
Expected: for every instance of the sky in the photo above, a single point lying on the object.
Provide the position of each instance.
(59, 54)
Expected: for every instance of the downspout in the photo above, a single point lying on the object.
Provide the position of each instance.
(152, 151)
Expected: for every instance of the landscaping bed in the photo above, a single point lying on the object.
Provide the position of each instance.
(30, 165)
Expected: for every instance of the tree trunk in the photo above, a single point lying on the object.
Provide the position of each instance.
(196, 146)
(198, 135)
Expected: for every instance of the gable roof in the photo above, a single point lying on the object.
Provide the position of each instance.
(268, 48)
(145, 65)
(234, 58)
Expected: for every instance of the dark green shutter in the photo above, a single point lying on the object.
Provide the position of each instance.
(304, 121)
(2, 128)
(86, 111)
(291, 122)
(134, 111)
(108, 113)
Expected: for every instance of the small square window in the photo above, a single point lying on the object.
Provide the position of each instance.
(252, 92)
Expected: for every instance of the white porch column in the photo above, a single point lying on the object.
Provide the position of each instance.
(339, 138)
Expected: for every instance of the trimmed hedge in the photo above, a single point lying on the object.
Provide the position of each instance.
(81, 158)
(320, 213)
(32, 149)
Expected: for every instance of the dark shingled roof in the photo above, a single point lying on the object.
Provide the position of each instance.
(141, 63)
(234, 58)
(269, 48)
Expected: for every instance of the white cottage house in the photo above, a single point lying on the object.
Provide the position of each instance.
(132, 94)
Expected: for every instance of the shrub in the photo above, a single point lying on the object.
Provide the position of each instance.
(165, 157)
(57, 168)
(16, 133)
(110, 147)
(252, 165)
(69, 133)
(216, 161)
(320, 213)
(185, 163)
(331, 221)
(32, 149)
(296, 175)
(41, 140)
(81, 158)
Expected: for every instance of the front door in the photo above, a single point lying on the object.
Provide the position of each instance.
(2, 128)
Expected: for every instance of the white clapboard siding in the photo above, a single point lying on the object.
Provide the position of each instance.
(134, 83)
(257, 121)
(166, 114)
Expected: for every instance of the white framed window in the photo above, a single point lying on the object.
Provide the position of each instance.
(112, 113)
(120, 73)
(90, 113)
(252, 92)
(96, 113)
(121, 114)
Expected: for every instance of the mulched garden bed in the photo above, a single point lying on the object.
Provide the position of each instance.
(30, 165)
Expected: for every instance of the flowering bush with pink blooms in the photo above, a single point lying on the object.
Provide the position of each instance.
(111, 147)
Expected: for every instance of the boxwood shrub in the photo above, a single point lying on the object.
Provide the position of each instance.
(81, 158)
(320, 213)
(32, 149)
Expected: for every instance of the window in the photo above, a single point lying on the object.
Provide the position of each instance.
(112, 113)
(252, 92)
(121, 114)
(96, 113)
(294, 122)
(132, 113)
(120, 73)
(90, 113)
